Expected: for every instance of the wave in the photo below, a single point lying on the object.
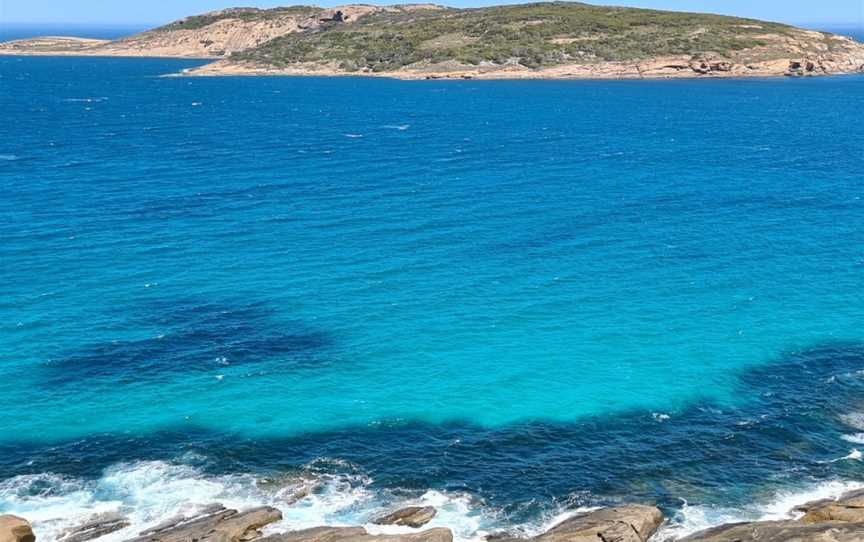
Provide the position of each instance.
(690, 519)
(148, 492)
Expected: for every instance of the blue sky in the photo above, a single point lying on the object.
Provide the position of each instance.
(848, 12)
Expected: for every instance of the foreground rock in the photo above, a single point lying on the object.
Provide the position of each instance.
(358, 534)
(96, 526)
(781, 531)
(849, 508)
(827, 520)
(214, 524)
(15, 529)
(631, 523)
(411, 516)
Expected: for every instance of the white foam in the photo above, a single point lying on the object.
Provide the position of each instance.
(854, 420)
(854, 455)
(148, 492)
(691, 519)
(856, 438)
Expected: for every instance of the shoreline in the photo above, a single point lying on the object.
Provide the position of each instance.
(141, 497)
(656, 70)
(838, 518)
(659, 68)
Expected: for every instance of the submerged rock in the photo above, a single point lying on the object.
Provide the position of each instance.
(849, 507)
(411, 516)
(630, 523)
(291, 488)
(15, 529)
(215, 524)
(358, 534)
(96, 526)
(781, 531)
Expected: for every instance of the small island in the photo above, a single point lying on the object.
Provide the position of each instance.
(557, 40)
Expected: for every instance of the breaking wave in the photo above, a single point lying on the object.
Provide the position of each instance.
(149, 492)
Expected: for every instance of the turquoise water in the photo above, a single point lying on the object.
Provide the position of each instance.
(562, 277)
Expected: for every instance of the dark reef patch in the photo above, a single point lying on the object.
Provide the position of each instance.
(194, 336)
(788, 430)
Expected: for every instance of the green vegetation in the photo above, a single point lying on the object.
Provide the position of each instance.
(246, 14)
(533, 35)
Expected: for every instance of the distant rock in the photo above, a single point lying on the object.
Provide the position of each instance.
(781, 531)
(214, 524)
(357, 534)
(411, 516)
(96, 526)
(15, 529)
(630, 523)
(848, 508)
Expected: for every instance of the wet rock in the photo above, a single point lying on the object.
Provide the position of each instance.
(300, 491)
(96, 526)
(358, 534)
(177, 520)
(214, 524)
(630, 523)
(781, 531)
(291, 488)
(15, 529)
(411, 516)
(848, 507)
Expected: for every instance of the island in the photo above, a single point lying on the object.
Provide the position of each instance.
(554, 40)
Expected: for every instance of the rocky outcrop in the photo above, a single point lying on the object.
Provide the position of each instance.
(96, 526)
(848, 507)
(827, 520)
(291, 488)
(411, 516)
(357, 534)
(631, 523)
(781, 531)
(214, 524)
(15, 529)
(211, 35)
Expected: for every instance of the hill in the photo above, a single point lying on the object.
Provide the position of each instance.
(555, 40)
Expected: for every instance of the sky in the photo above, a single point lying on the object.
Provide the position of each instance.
(133, 12)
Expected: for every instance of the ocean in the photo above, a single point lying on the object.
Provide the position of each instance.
(509, 299)
(18, 31)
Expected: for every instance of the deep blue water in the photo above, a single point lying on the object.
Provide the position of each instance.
(523, 296)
